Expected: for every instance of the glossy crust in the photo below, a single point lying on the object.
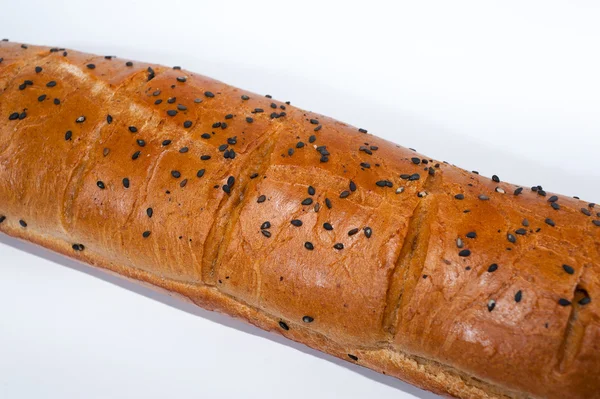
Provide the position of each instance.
(518, 317)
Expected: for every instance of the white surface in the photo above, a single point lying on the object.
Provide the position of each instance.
(506, 88)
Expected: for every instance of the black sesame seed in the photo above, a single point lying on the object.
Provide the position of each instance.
(38, 69)
(183, 150)
(56, 101)
(596, 222)
(78, 247)
(568, 269)
(414, 177)
(312, 139)
(491, 305)
(181, 107)
(564, 302)
(352, 231)
(308, 245)
(136, 155)
(176, 174)
(22, 115)
(126, 182)
(511, 238)
(416, 160)
(42, 98)
(22, 223)
(141, 143)
(296, 222)
(299, 144)
(365, 165)
(554, 198)
(327, 226)
(550, 222)
(258, 110)
(518, 191)
(129, 63)
(307, 319)
(209, 94)
(483, 197)
(265, 225)
(367, 151)
(146, 234)
(284, 326)
(368, 232)
(187, 124)
(149, 212)
(307, 201)
(13, 116)
(585, 300)
(226, 189)
(338, 245)
(68, 135)
(518, 296)
(200, 173)
(496, 179)
(51, 83)
(471, 234)
(318, 128)
(344, 194)
(151, 74)
(171, 100)
(493, 267)
(349, 355)
(172, 112)
(555, 206)
(521, 231)
(525, 222)
(266, 233)
(362, 130)
(261, 199)
(542, 193)
(254, 175)
(205, 157)
(352, 186)
(586, 212)
(464, 253)
(91, 66)
(166, 143)
(181, 79)
(324, 158)
(2, 218)
(245, 97)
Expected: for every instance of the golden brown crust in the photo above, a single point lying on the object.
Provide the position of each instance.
(302, 225)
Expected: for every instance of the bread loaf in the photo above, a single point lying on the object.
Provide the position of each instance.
(302, 225)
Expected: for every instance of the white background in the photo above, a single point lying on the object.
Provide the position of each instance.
(506, 88)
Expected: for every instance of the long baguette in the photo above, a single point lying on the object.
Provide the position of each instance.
(301, 225)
